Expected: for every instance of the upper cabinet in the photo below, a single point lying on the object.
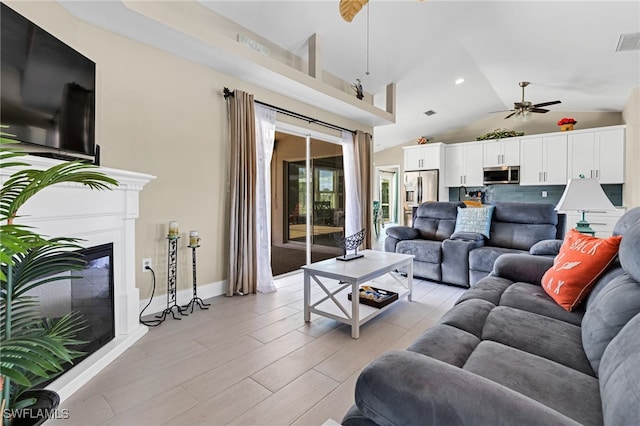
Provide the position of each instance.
(463, 164)
(598, 154)
(543, 160)
(503, 152)
(423, 157)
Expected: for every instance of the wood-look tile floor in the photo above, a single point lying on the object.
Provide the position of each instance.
(249, 360)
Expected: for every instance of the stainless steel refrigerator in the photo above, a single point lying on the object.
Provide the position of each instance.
(419, 187)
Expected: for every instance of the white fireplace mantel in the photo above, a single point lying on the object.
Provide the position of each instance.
(96, 217)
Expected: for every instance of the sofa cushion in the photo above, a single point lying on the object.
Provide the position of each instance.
(532, 298)
(407, 388)
(423, 250)
(539, 335)
(582, 259)
(568, 391)
(614, 306)
(489, 289)
(525, 213)
(620, 375)
(483, 258)
(521, 225)
(436, 220)
(469, 316)
(626, 221)
(518, 235)
(445, 343)
(474, 220)
(629, 249)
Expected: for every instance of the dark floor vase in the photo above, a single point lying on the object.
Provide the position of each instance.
(45, 408)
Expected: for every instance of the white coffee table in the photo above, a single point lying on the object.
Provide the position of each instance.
(335, 304)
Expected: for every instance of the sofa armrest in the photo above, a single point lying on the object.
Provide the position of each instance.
(522, 267)
(407, 388)
(455, 257)
(546, 248)
(403, 233)
(469, 236)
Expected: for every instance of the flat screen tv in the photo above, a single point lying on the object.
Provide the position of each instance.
(47, 88)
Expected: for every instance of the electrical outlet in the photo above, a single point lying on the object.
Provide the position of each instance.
(544, 194)
(146, 263)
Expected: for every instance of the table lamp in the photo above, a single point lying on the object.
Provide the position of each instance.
(584, 195)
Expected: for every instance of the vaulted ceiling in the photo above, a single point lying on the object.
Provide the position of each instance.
(566, 49)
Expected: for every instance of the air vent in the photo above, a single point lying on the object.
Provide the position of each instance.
(430, 112)
(628, 42)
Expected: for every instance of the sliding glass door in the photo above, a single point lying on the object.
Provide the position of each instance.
(327, 200)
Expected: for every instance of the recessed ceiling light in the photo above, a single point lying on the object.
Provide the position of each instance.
(459, 80)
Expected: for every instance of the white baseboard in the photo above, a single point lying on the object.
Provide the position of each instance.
(206, 291)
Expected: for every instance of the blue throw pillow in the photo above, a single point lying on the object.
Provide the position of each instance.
(474, 219)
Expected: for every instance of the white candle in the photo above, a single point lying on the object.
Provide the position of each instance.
(173, 228)
(194, 240)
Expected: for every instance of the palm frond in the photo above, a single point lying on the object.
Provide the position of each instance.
(44, 264)
(24, 184)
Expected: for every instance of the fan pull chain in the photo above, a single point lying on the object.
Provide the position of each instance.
(367, 72)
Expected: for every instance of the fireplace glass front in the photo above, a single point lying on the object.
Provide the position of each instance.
(91, 295)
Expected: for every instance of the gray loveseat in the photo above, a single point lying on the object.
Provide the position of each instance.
(507, 354)
(464, 258)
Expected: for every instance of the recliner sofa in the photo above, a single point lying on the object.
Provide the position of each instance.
(463, 258)
(508, 354)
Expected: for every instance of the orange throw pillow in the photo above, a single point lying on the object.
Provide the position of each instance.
(582, 259)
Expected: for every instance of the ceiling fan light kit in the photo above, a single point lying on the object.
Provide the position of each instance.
(525, 107)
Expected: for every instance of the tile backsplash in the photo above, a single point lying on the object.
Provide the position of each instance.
(529, 194)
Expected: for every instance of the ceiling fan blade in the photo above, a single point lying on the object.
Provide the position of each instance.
(542, 110)
(349, 8)
(543, 104)
(511, 115)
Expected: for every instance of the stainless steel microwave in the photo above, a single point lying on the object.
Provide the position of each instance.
(505, 174)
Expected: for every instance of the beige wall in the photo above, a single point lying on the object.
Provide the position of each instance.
(631, 116)
(162, 115)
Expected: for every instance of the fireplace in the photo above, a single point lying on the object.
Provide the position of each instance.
(100, 220)
(89, 292)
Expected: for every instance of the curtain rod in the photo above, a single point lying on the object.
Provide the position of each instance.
(227, 93)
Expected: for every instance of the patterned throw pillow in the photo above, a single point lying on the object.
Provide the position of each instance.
(474, 219)
(582, 259)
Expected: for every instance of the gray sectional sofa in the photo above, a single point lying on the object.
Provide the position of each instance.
(463, 258)
(507, 354)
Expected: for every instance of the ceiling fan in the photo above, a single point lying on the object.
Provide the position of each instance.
(523, 107)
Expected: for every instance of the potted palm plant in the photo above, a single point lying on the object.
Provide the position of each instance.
(34, 349)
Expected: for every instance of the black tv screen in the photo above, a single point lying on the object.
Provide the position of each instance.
(48, 88)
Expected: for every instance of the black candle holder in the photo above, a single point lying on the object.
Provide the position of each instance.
(195, 300)
(172, 279)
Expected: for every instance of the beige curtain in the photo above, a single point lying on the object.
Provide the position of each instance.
(364, 168)
(242, 193)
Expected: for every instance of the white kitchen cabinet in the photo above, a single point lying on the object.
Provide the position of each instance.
(423, 157)
(597, 154)
(463, 164)
(543, 160)
(504, 152)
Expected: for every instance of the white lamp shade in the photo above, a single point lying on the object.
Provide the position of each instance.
(584, 195)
